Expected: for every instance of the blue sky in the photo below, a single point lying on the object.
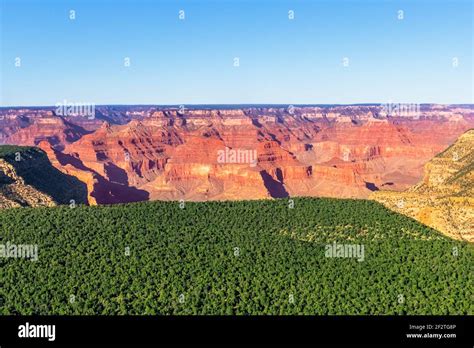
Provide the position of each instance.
(191, 61)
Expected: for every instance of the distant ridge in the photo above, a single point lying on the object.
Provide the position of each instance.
(230, 106)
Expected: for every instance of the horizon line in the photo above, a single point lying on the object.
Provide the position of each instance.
(238, 104)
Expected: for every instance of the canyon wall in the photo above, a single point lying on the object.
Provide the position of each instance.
(135, 153)
(27, 178)
(444, 198)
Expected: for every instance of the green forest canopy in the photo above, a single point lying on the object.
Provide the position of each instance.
(245, 257)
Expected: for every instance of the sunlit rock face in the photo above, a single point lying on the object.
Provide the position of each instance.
(444, 198)
(136, 153)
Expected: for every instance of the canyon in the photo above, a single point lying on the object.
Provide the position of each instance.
(136, 153)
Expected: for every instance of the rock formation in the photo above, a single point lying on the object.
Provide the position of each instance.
(144, 152)
(15, 193)
(444, 199)
(27, 178)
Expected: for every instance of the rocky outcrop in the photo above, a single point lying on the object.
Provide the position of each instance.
(27, 178)
(14, 192)
(444, 199)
